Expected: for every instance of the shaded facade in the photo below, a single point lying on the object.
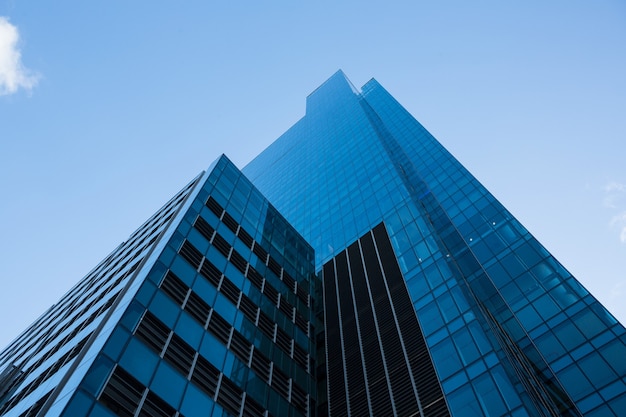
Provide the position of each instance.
(356, 269)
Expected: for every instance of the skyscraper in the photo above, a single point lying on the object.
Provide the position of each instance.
(437, 300)
(204, 310)
(355, 269)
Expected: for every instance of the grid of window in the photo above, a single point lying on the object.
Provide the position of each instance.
(192, 255)
(44, 375)
(58, 328)
(247, 306)
(35, 367)
(224, 247)
(199, 370)
(155, 335)
(34, 409)
(125, 396)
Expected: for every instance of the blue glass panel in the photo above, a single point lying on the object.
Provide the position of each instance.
(445, 358)
(216, 258)
(476, 369)
(489, 396)
(602, 411)
(199, 241)
(615, 354)
(157, 273)
(454, 381)
(132, 315)
(568, 335)
(196, 403)
(168, 384)
(563, 296)
(613, 390)
(145, 293)
(550, 346)
(258, 389)
(619, 405)
(225, 308)
(433, 276)
(140, 361)
(183, 270)
(513, 266)
(205, 290)
(165, 309)
(529, 317)
(596, 370)
(167, 255)
(234, 275)
(100, 411)
(463, 403)
(479, 336)
(465, 346)
(546, 307)
(79, 405)
(189, 329)
(588, 323)
(506, 388)
(589, 403)
(447, 307)
(575, 382)
(213, 350)
(114, 346)
(97, 375)
(430, 318)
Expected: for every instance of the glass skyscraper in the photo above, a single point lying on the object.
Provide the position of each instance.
(437, 300)
(353, 268)
(206, 310)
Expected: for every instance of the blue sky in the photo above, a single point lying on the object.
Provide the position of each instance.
(108, 108)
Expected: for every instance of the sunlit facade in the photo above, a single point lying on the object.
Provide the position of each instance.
(506, 328)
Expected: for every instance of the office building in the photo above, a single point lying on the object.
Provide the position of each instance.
(204, 310)
(437, 300)
(354, 268)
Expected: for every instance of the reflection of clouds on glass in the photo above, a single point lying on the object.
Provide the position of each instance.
(615, 199)
(13, 74)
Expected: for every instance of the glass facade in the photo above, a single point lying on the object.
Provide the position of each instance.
(44, 364)
(356, 268)
(508, 329)
(217, 322)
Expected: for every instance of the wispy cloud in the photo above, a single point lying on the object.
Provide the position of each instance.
(13, 74)
(619, 222)
(614, 186)
(618, 289)
(609, 201)
(615, 198)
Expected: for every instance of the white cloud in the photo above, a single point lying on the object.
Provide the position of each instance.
(617, 290)
(619, 219)
(13, 74)
(619, 222)
(609, 201)
(614, 186)
(615, 199)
